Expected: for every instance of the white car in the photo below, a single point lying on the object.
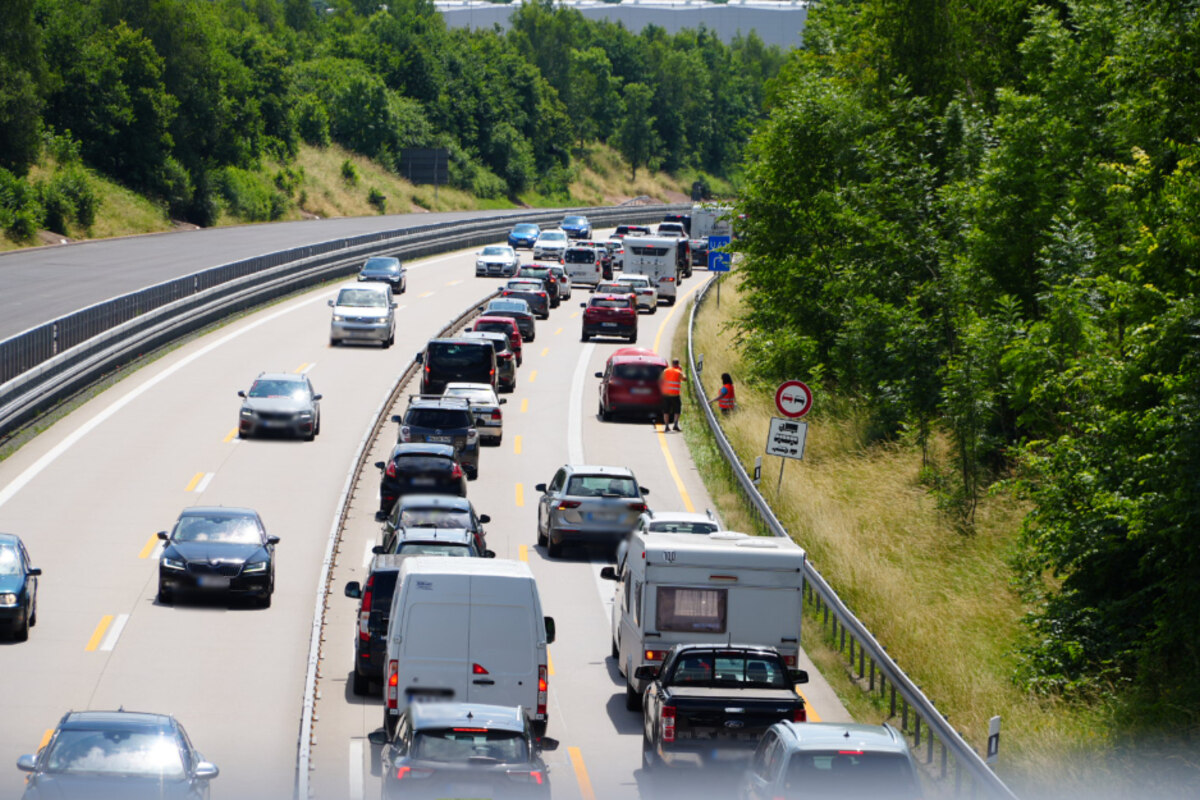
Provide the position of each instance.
(485, 405)
(497, 260)
(550, 245)
(643, 289)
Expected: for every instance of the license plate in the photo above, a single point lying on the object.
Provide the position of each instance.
(274, 423)
(440, 439)
(608, 324)
(423, 481)
(600, 516)
(640, 390)
(468, 791)
(214, 582)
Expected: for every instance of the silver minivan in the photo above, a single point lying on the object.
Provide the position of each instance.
(363, 312)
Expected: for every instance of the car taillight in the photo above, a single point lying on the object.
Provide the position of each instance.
(496, 415)
(364, 613)
(526, 776)
(565, 504)
(638, 507)
(410, 772)
(668, 723)
(656, 655)
(405, 433)
(800, 714)
(393, 684)
(479, 669)
(541, 294)
(543, 687)
(456, 471)
(789, 660)
(391, 469)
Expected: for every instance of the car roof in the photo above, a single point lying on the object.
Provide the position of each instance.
(451, 340)
(679, 516)
(377, 260)
(387, 562)
(423, 448)
(842, 735)
(633, 276)
(116, 720)
(440, 401)
(507, 320)
(476, 715)
(610, 296)
(637, 358)
(479, 387)
(590, 469)
(218, 511)
(381, 288)
(9, 538)
(443, 535)
(283, 376)
(509, 304)
(434, 501)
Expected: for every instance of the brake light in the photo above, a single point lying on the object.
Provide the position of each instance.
(850, 752)
(456, 471)
(479, 669)
(565, 504)
(364, 613)
(668, 723)
(789, 660)
(391, 469)
(532, 776)
(800, 714)
(393, 683)
(470, 730)
(638, 507)
(541, 294)
(655, 655)
(543, 686)
(410, 772)
(496, 415)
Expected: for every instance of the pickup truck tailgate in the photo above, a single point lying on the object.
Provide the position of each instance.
(711, 714)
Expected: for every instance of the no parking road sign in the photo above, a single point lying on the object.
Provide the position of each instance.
(793, 399)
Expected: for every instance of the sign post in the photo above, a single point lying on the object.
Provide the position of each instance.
(993, 743)
(757, 469)
(788, 436)
(718, 262)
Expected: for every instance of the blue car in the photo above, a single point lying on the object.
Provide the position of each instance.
(18, 587)
(523, 235)
(577, 227)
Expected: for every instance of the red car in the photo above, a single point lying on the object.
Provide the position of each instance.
(630, 383)
(502, 325)
(610, 315)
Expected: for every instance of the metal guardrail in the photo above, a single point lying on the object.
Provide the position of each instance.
(44, 365)
(844, 627)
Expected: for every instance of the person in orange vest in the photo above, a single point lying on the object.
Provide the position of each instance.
(725, 399)
(672, 385)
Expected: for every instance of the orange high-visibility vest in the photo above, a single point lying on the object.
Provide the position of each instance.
(672, 381)
(725, 400)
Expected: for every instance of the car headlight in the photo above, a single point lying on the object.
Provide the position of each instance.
(305, 415)
(8, 599)
(173, 563)
(247, 413)
(338, 318)
(254, 567)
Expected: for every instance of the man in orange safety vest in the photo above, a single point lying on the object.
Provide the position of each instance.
(672, 384)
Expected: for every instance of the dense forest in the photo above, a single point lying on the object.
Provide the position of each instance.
(184, 99)
(980, 221)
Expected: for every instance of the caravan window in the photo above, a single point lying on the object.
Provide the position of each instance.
(690, 610)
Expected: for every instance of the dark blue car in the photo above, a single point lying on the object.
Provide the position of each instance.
(577, 227)
(18, 587)
(523, 235)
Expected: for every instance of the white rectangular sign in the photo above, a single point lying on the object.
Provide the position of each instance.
(787, 438)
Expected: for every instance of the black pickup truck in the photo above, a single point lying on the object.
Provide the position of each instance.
(708, 703)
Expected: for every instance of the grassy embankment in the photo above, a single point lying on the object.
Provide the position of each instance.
(940, 601)
(317, 185)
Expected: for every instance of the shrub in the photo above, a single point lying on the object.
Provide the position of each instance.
(377, 199)
(349, 172)
(20, 211)
(312, 120)
(249, 195)
(57, 209)
(77, 187)
(63, 147)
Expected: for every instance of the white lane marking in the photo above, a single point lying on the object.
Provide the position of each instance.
(368, 554)
(203, 484)
(356, 769)
(157, 552)
(68, 443)
(114, 632)
(308, 368)
(607, 589)
(575, 406)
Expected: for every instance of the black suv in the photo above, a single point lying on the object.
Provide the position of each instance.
(443, 420)
(543, 273)
(434, 511)
(418, 468)
(370, 645)
(449, 360)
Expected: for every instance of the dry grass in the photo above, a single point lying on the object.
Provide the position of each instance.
(604, 179)
(940, 600)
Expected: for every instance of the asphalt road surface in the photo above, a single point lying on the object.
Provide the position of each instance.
(89, 494)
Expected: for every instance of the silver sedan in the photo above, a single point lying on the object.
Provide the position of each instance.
(280, 402)
(588, 505)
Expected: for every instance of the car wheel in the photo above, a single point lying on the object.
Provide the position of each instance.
(333, 342)
(241, 434)
(633, 700)
(33, 614)
(317, 430)
(21, 633)
(391, 340)
(583, 337)
(554, 549)
(265, 600)
(542, 539)
(605, 415)
(654, 308)
(616, 651)
(633, 338)
(308, 437)
(164, 595)
(360, 684)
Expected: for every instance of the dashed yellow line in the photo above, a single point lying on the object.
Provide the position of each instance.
(520, 495)
(149, 548)
(195, 481)
(581, 775)
(545, 350)
(811, 712)
(229, 437)
(98, 634)
(549, 663)
(427, 294)
(574, 314)
(300, 368)
(524, 405)
(516, 445)
(45, 739)
(533, 376)
(557, 332)
(523, 552)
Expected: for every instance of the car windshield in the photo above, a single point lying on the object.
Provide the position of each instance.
(525, 228)
(435, 549)
(225, 529)
(638, 372)
(119, 752)
(451, 355)
(468, 744)
(509, 306)
(441, 418)
(434, 518)
(577, 256)
(10, 563)
(602, 486)
(574, 221)
(495, 251)
(475, 395)
(613, 288)
(423, 463)
(296, 390)
(640, 283)
(554, 236)
(534, 272)
(610, 302)
(523, 286)
(848, 773)
(495, 327)
(361, 298)
(684, 527)
(380, 265)
(730, 669)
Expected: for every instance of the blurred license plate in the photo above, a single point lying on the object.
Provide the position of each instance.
(423, 481)
(601, 516)
(609, 324)
(468, 791)
(641, 390)
(214, 582)
(441, 439)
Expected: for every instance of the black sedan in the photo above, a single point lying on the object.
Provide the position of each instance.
(385, 269)
(532, 292)
(18, 587)
(218, 549)
(514, 309)
(464, 750)
(419, 468)
(117, 754)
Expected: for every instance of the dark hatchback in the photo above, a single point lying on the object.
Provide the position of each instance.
(385, 269)
(464, 750)
(419, 469)
(434, 511)
(217, 549)
(533, 292)
(18, 587)
(374, 609)
(117, 755)
(517, 310)
(442, 420)
(543, 273)
(456, 360)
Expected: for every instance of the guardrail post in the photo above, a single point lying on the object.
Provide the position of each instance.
(917, 731)
(893, 716)
(929, 749)
(871, 682)
(943, 776)
(904, 715)
(860, 662)
(852, 653)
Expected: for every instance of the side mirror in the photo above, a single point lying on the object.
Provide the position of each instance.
(206, 771)
(380, 465)
(547, 745)
(164, 535)
(609, 574)
(503, 400)
(272, 540)
(646, 672)
(645, 490)
(489, 553)
(241, 394)
(34, 572)
(317, 397)
(27, 763)
(484, 519)
(329, 303)
(549, 622)
(798, 675)
(396, 418)
(583, 305)
(393, 306)
(378, 738)
(541, 487)
(354, 589)
(379, 550)
(599, 374)
(420, 358)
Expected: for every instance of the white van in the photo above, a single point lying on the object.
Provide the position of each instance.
(656, 257)
(583, 265)
(466, 630)
(363, 312)
(686, 588)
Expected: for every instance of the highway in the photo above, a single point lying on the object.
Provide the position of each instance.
(89, 494)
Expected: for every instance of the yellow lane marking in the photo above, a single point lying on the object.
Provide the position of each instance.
(581, 775)
(574, 314)
(545, 350)
(662, 442)
(98, 635)
(149, 548)
(813, 716)
(533, 376)
(523, 552)
(300, 368)
(229, 437)
(549, 662)
(427, 294)
(454, 283)
(524, 405)
(516, 445)
(45, 739)
(520, 495)
(557, 332)
(679, 303)
(199, 476)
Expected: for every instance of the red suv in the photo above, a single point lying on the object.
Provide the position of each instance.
(610, 315)
(630, 383)
(502, 325)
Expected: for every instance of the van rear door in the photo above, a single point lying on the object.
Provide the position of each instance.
(503, 648)
(434, 654)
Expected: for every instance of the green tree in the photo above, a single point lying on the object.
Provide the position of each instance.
(20, 99)
(636, 137)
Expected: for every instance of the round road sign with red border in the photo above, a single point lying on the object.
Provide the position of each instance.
(793, 399)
